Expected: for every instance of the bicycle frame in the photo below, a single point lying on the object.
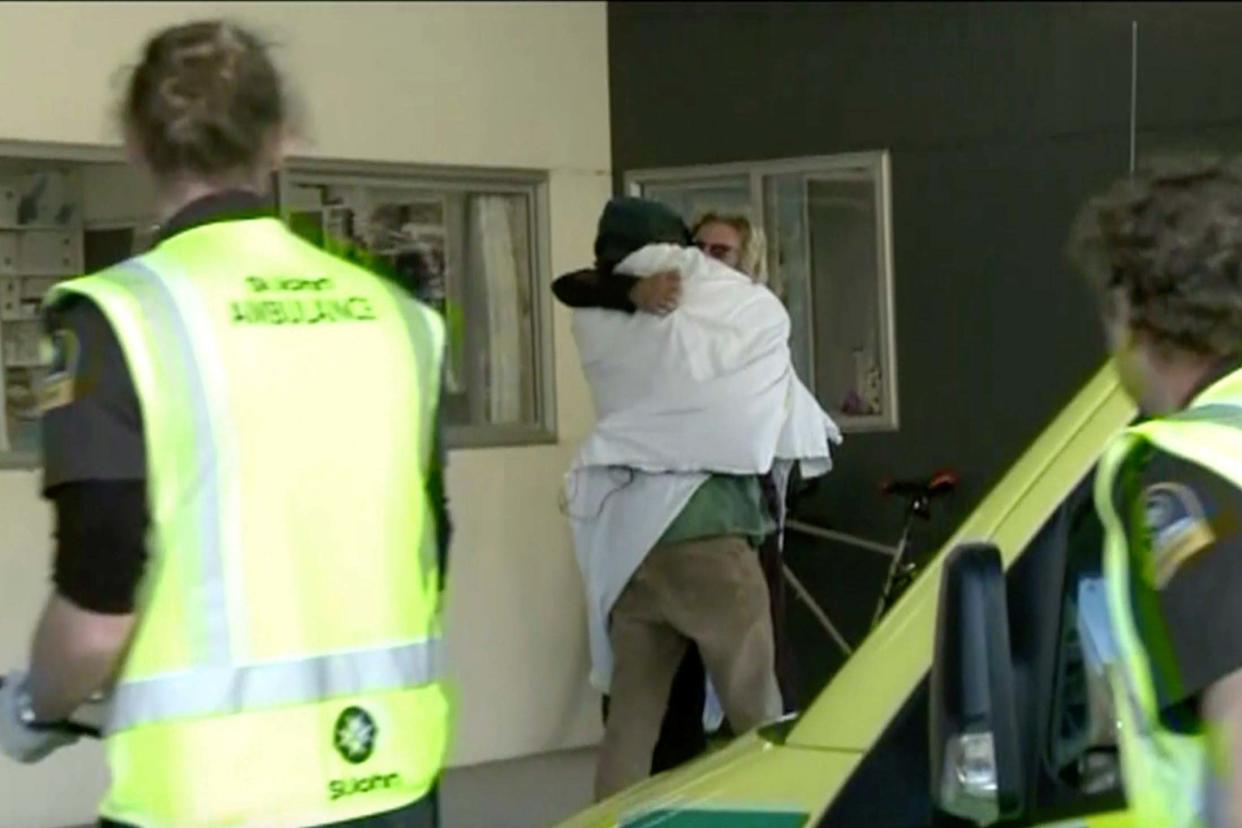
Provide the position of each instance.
(896, 552)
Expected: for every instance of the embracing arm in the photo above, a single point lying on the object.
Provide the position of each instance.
(588, 288)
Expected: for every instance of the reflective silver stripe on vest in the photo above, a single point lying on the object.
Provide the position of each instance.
(164, 317)
(223, 691)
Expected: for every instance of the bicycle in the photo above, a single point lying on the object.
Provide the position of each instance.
(902, 571)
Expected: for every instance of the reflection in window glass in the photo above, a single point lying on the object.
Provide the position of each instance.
(789, 264)
(59, 218)
(842, 230)
(467, 254)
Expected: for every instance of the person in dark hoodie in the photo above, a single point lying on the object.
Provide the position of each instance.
(726, 504)
(624, 227)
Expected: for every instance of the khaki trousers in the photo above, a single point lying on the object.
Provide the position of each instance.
(709, 591)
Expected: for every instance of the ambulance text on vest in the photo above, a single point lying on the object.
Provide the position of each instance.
(297, 309)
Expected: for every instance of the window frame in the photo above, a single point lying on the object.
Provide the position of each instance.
(878, 165)
(499, 180)
(543, 429)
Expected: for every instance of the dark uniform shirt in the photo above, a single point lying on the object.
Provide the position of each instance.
(1184, 526)
(95, 464)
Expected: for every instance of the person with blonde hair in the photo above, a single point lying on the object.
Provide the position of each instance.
(734, 239)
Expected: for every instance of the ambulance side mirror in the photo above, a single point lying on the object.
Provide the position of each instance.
(975, 748)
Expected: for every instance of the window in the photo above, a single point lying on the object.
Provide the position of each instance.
(470, 246)
(828, 227)
(63, 211)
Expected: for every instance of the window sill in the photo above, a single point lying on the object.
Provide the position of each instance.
(869, 424)
(484, 437)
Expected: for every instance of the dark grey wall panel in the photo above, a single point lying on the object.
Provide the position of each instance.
(1001, 119)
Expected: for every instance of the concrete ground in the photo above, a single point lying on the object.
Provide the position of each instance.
(532, 792)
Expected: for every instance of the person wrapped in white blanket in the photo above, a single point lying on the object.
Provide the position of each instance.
(663, 497)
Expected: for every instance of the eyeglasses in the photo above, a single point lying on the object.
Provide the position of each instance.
(716, 251)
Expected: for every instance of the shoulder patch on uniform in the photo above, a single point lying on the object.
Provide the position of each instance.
(1178, 529)
(62, 352)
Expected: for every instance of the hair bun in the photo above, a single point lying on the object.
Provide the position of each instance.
(206, 99)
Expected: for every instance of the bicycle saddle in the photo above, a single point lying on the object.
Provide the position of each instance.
(940, 483)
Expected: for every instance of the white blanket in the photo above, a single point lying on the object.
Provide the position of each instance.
(709, 388)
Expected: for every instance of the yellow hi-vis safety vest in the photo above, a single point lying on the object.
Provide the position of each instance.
(1167, 776)
(286, 662)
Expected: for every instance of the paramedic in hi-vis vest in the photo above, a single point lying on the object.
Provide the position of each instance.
(242, 450)
(1164, 249)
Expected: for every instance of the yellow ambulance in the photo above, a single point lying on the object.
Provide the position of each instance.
(878, 747)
